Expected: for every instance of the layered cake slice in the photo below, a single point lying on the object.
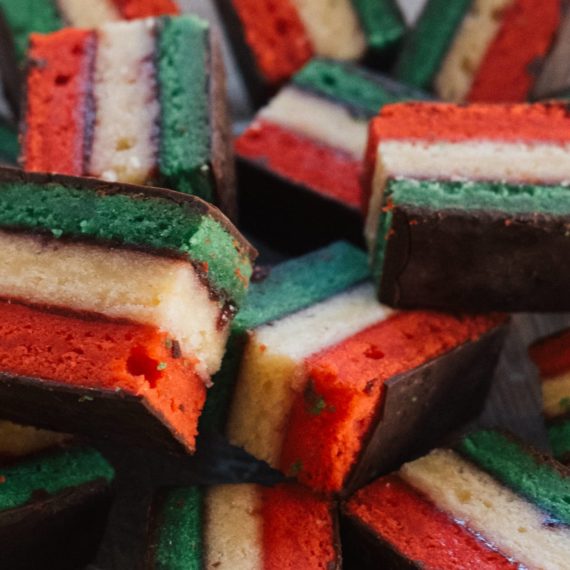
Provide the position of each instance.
(321, 390)
(53, 509)
(492, 503)
(140, 102)
(273, 40)
(9, 147)
(115, 306)
(242, 527)
(464, 201)
(551, 355)
(300, 160)
(19, 19)
(479, 50)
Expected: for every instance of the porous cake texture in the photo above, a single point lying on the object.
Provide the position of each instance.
(495, 175)
(140, 102)
(71, 250)
(242, 527)
(481, 505)
(479, 50)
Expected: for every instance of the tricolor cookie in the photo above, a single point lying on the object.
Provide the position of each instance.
(19, 19)
(140, 102)
(9, 147)
(116, 305)
(322, 389)
(492, 503)
(53, 509)
(464, 203)
(551, 355)
(300, 160)
(242, 527)
(479, 50)
(273, 40)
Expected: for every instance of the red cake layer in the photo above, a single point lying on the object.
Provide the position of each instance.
(276, 36)
(527, 31)
(330, 422)
(58, 91)
(325, 170)
(298, 530)
(132, 9)
(414, 527)
(552, 355)
(94, 352)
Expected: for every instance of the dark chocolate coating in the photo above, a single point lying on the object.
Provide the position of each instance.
(476, 261)
(9, 70)
(420, 407)
(293, 217)
(100, 414)
(62, 531)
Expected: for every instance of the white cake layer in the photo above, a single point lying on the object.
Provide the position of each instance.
(90, 14)
(556, 395)
(127, 109)
(233, 528)
(333, 28)
(474, 499)
(273, 373)
(318, 119)
(470, 46)
(118, 283)
(478, 160)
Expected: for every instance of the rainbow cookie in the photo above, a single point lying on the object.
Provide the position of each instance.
(273, 39)
(242, 527)
(115, 306)
(300, 160)
(551, 355)
(139, 102)
(19, 19)
(479, 50)
(463, 203)
(321, 389)
(53, 509)
(490, 504)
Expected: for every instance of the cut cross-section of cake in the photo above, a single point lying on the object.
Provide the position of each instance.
(20, 19)
(479, 50)
(53, 509)
(116, 302)
(300, 160)
(492, 503)
(321, 389)
(139, 102)
(242, 527)
(551, 355)
(463, 203)
(273, 40)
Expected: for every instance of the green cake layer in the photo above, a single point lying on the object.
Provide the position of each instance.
(559, 437)
(51, 473)
(182, 63)
(9, 146)
(27, 16)
(512, 464)
(426, 46)
(382, 22)
(352, 85)
(178, 530)
(138, 218)
(288, 288)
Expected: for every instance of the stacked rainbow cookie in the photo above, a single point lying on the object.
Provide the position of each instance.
(464, 201)
(479, 50)
(116, 305)
(141, 102)
(273, 40)
(243, 527)
(300, 160)
(490, 503)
